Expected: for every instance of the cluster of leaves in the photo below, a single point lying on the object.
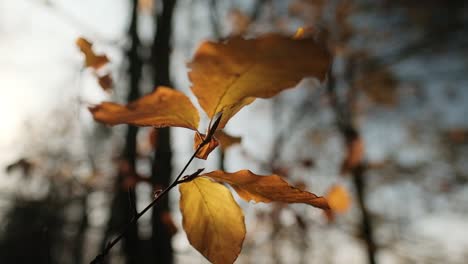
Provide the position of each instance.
(226, 76)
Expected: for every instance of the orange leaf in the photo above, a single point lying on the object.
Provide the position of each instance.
(162, 108)
(91, 59)
(212, 219)
(205, 150)
(257, 188)
(354, 154)
(227, 76)
(338, 199)
(226, 140)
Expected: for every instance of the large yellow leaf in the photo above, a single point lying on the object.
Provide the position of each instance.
(162, 108)
(257, 188)
(229, 75)
(212, 219)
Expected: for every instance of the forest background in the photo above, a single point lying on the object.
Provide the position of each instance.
(399, 73)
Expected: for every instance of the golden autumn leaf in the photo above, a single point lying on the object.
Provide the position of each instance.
(206, 149)
(273, 188)
(338, 199)
(91, 59)
(162, 108)
(230, 75)
(226, 140)
(212, 219)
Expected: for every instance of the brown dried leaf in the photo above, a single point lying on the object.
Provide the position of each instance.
(230, 75)
(205, 150)
(162, 108)
(91, 59)
(273, 188)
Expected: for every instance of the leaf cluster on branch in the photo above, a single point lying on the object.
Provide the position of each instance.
(225, 76)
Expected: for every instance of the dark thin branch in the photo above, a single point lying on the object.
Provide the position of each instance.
(350, 133)
(101, 257)
(191, 176)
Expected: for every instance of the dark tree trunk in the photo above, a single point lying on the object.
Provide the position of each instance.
(161, 167)
(123, 206)
(79, 240)
(349, 133)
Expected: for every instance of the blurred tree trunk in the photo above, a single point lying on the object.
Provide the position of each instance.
(79, 240)
(161, 167)
(123, 206)
(350, 133)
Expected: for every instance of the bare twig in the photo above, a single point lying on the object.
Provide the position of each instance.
(190, 177)
(100, 258)
(350, 133)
